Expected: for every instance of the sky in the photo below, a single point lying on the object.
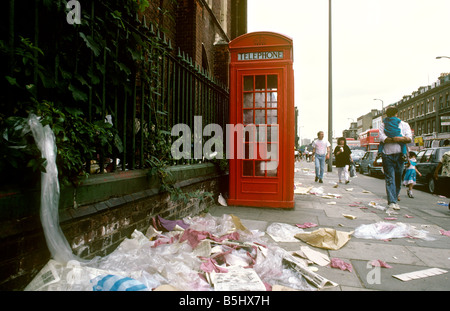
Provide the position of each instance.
(382, 49)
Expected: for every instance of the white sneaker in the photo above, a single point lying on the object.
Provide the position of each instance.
(394, 206)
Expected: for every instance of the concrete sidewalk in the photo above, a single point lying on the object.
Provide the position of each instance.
(403, 254)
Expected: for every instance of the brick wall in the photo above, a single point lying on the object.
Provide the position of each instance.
(92, 230)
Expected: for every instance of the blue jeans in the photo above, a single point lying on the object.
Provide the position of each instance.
(319, 162)
(393, 166)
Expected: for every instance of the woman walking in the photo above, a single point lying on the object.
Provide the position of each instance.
(343, 157)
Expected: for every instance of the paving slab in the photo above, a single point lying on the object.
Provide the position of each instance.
(370, 251)
(432, 257)
(382, 278)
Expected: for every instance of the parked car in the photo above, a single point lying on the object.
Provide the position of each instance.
(427, 161)
(367, 165)
(357, 155)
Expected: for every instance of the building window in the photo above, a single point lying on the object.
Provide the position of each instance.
(441, 102)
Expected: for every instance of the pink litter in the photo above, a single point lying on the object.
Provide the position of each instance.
(340, 264)
(194, 237)
(443, 232)
(380, 263)
(209, 265)
(307, 225)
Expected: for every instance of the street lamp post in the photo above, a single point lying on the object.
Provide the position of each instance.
(330, 89)
(382, 104)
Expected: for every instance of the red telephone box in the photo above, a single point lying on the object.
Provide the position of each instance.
(262, 113)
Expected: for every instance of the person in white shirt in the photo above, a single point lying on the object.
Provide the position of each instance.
(393, 164)
(321, 152)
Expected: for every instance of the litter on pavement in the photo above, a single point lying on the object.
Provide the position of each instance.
(384, 231)
(201, 253)
(325, 238)
(419, 274)
(340, 264)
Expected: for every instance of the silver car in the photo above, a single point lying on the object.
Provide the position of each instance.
(367, 165)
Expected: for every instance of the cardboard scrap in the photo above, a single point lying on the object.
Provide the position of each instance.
(326, 238)
(302, 190)
(314, 256)
(419, 274)
(349, 216)
(238, 224)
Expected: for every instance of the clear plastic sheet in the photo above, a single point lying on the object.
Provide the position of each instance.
(56, 241)
(385, 231)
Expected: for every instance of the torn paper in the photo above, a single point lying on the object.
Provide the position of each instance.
(317, 280)
(419, 274)
(326, 238)
(237, 279)
(314, 256)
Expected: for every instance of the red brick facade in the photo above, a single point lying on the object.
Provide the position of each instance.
(201, 29)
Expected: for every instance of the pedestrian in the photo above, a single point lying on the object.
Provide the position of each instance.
(445, 165)
(342, 154)
(320, 153)
(410, 175)
(392, 129)
(392, 156)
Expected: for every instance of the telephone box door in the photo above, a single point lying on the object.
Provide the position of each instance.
(258, 162)
(262, 113)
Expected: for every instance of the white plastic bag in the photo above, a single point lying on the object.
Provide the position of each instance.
(385, 230)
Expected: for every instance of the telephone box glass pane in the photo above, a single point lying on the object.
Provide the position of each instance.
(247, 169)
(248, 100)
(260, 83)
(249, 151)
(260, 100)
(272, 150)
(272, 134)
(248, 83)
(272, 170)
(248, 116)
(250, 134)
(272, 82)
(259, 168)
(272, 100)
(272, 116)
(262, 133)
(260, 117)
